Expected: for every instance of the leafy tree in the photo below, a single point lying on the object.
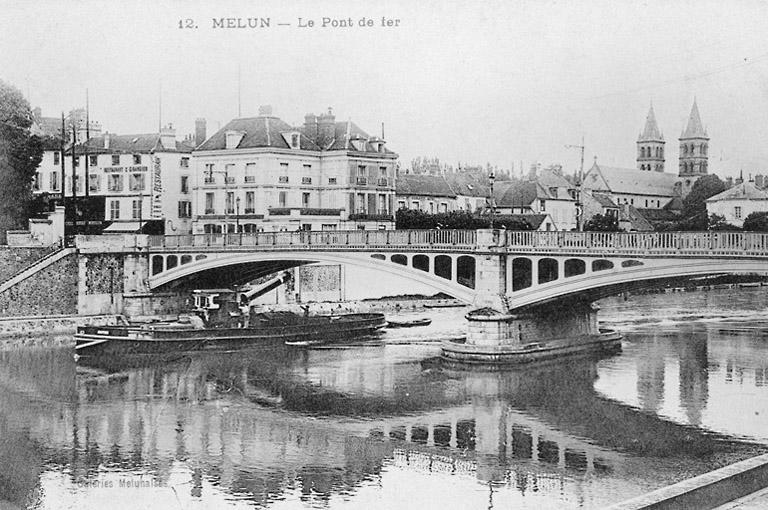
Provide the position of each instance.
(20, 155)
(602, 223)
(694, 212)
(462, 220)
(756, 222)
(717, 222)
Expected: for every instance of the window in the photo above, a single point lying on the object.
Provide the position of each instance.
(250, 202)
(305, 199)
(361, 175)
(230, 202)
(443, 207)
(115, 182)
(331, 180)
(737, 212)
(306, 180)
(184, 162)
(136, 209)
(93, 160)
(416, 205)
(250, 172)
(78, 184)
(114, 210)
(36, 182)
(94, 182)
(307, 168)
(383, 204)
(56, 159)
(284, 168)
(209, 177)
(209, 208)
(431, 208)
(542, 205)
(137, 159)
(281, 199)
(137, 182)
(283, 179)
(54, 181)
(295, 140)
(229, 171)
(185, 209)
(401, 204)
(115, 159)
(185, 184)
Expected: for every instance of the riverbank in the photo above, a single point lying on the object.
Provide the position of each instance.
(27, 330)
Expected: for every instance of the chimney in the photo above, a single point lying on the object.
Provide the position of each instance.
(326, 128)
(265, 110)
(106, 139)
(310, 126)
(168, 137)
(200, 126)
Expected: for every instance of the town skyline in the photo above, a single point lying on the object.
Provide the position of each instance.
(500, 85)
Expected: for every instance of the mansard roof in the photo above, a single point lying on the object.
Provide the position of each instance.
(695, 128)
(651, 133)
(141, 143)
(267, 131)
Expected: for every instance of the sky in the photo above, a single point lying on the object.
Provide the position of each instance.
(500, 82)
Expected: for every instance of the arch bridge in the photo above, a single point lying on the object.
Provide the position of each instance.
(509, 269)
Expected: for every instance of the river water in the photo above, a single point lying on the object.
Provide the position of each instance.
(381, 425)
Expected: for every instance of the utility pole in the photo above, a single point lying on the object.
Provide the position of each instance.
(87, 177)
(74, 177)
(63, 173)
(579, 178)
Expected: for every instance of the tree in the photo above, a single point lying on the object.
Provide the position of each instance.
(20, 155)
(756, 222)
(602, 223)
(694, 214)
(717, 222)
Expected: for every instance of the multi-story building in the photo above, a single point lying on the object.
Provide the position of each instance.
(544, 192)
(134, 183)
(262, 174)
(425, 192)
(738, 202)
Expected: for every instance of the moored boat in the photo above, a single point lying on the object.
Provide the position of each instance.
(222, 327)
(395, 323)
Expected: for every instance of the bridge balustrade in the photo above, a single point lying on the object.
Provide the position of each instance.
(322, 240)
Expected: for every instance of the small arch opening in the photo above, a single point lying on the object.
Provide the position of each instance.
(420, 262)
(171, 262)
(379, 256)
(157, 264)
(399, 259)
(465, 271)
(521, 273)
(601, 265)
(575, 267)
(186, 259)
(443, 266)
(631, 263)
(547, 270)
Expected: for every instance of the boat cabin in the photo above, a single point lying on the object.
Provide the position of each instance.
(217, 306)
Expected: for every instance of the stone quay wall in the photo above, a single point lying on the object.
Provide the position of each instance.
(22, 331)
(13, 259)
(51, 291)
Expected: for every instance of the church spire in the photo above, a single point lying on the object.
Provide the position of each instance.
(694, 129)
(651, 131)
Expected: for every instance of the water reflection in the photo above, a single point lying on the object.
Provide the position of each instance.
(376, 427)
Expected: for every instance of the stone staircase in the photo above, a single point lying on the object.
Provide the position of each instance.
(38, 265)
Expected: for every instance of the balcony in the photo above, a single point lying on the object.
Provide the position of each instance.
(362, 181)
(210, 180)
(229, 180)
(306, 180)
(250, 178)
(249, 210)
(380, 215)
(303, 211)
(283, 179)
(210, 211)
(383, 181)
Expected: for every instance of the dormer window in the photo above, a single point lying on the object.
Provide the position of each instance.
(292, 139)
(233, 138)
(295, 141)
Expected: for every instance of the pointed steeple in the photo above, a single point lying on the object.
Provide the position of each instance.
(694, 129)
(651, 131)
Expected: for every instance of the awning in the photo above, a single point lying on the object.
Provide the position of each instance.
(125, 227)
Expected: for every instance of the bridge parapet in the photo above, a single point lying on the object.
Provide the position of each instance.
(717, 244)
(331, 240)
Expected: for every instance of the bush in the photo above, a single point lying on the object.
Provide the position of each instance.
(756, 222)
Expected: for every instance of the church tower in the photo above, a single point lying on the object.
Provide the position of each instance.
(650, 146)
(694, 147)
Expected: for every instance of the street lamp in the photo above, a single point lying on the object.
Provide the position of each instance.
(491, 178)
(237, 214)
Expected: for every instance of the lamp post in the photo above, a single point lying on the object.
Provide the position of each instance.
(491, 179)
(237, 214)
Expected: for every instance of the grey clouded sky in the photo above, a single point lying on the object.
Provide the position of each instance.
(475, 82)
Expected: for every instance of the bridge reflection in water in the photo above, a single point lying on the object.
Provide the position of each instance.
(277, 424)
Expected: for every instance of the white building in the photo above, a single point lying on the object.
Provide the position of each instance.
(737, 203)
(262, 174)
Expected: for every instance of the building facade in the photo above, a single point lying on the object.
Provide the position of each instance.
(694, 151)
(738, 202)
(650, 146)
(262, 174)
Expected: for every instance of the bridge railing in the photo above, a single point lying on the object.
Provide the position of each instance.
(463, 239)
(641, 242)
